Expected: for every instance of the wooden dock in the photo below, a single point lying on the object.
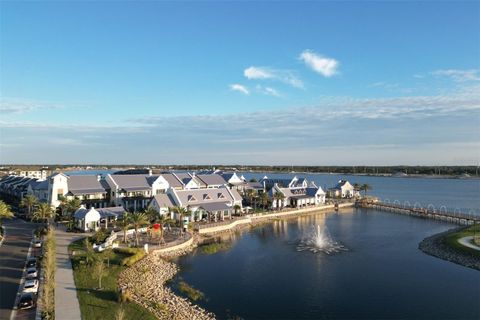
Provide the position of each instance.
(426, 213)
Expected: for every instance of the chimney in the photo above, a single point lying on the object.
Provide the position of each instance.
(149, 172)
(99, 177)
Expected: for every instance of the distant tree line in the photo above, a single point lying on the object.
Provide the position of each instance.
(368, 170)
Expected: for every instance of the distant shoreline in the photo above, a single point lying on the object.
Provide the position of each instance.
(421, 172)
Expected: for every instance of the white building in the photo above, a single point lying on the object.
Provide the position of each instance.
(343, 189)
(87, 219)
(297, 197)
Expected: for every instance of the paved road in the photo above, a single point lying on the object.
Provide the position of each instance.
(66, 302)
(13, 254)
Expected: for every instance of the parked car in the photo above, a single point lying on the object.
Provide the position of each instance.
(31, 262)
(37, 244)
(31, 273)
(31, 286)
(27, 301)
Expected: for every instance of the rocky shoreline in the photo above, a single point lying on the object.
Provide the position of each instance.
(145, 281)
(435, 246)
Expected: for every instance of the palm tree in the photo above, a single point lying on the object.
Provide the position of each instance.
(264, 199)
(279, 197)
(5, 211)
(29, 202)
(365, 187)
(181, 211)
(124, 224)
(151, 213)
(236, 208)
(73, 205)
(137, 220)
(90, 255)
(99, 270)
(43, 212)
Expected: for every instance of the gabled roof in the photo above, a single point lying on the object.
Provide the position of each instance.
(84, 184)
(172, 180)
(40, 185)
(82, 212)
(131, 182)
(212, 179)
(111, 212)
(164, 200)
(198, 194)
(215, 206)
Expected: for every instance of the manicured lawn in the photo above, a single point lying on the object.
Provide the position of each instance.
(452, 240)
(102, 304)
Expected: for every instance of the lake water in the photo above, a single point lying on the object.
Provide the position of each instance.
(383, 275)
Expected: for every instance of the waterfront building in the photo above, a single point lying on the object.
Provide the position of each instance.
(207, 203)
(294, 182)
(212, 180)
(162, 203)
(296, 197)
(343, 189)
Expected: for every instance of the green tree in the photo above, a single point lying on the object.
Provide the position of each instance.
(151, 214)
(137, 220)
(43, 212)
(90, 255)
(98, 271)
(365, 188)
(124, 224)
(236, 208)
(73, 205)
(279, 197)
(5, 211)
(264, 199)
(181, 211)
(29, 202)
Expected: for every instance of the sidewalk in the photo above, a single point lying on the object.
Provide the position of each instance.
(66, 302)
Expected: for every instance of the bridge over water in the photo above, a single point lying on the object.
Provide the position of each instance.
(429, 212)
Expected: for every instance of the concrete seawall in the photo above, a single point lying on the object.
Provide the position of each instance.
(176, 247)
(256, 218)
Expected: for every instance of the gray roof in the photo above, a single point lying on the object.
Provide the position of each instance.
(111, 212)
(201, 196)
(40, 185)
(212, 179)
(82, 184)
(215, 206)
(172, 180)
(164, 200)
(82, 212)
(131, 182)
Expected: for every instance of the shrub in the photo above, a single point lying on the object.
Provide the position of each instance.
(190, 291)
(125, 296)
(135, 255)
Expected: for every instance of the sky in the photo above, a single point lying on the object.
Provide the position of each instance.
(240, 82)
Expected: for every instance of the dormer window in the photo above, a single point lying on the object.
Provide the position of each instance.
(206, 197)
(191, 198)
(221, 196)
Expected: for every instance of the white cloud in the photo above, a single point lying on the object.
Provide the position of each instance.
(268, 91)
(272, 92)
(239, 88)
(266, 73)
(320, 64)
(258, 73)
(458, 75)
(17, 105)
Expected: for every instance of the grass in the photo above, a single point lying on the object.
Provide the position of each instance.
(48, 266)
(452, 240)
(102, 304)
(213, 248)
(190, 291)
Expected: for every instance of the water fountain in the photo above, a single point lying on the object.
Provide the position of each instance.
(318, 239)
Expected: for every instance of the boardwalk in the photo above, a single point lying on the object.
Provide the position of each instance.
(66, 302)
(428, 213)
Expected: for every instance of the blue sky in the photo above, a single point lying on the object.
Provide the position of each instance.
(240, 82)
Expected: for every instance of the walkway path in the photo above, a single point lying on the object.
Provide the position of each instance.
(467, 242)
(66, 302)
